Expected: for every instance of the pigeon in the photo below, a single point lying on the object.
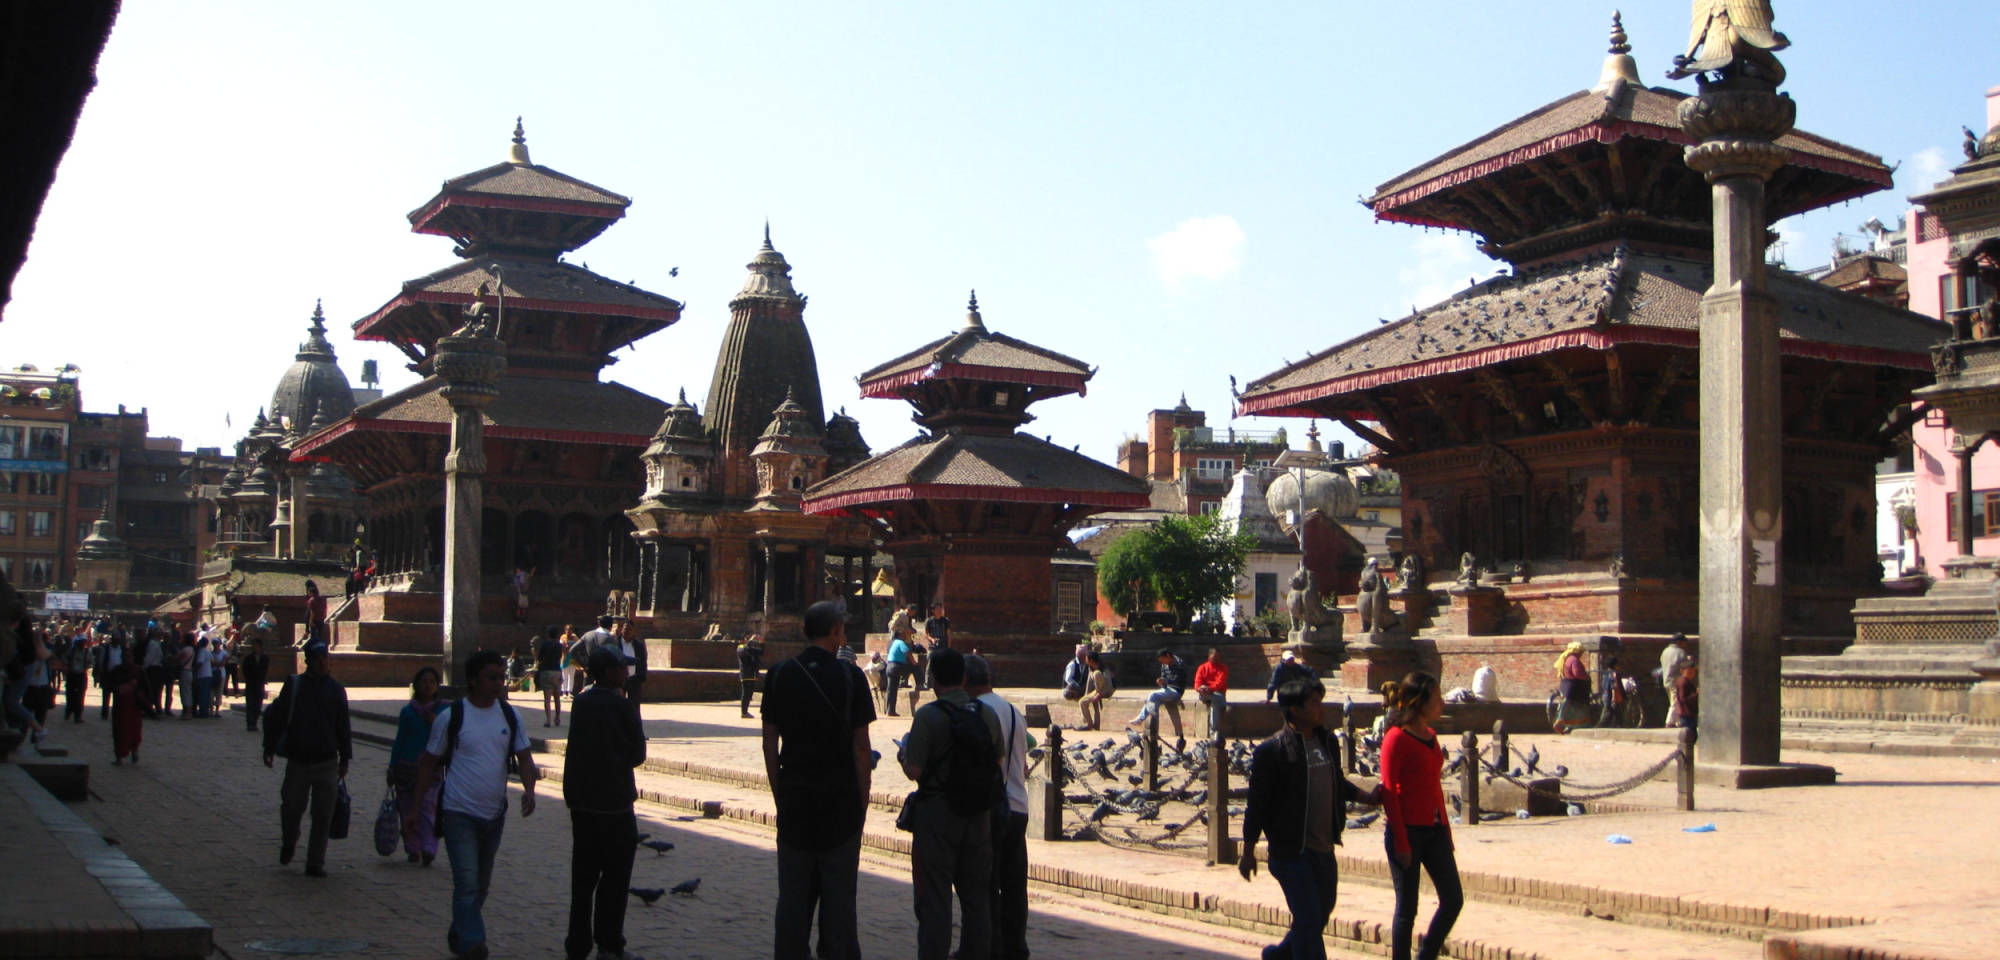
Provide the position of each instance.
(659, 847)
(1152, 812)
(1522, 814)
(686, 889)
(642, 838)
(674, 272)
(649, 894)
(1488, 816)
(1575, 810)
(1561, 772)
(1356, 823)
(1534, 757)
(1104, 809)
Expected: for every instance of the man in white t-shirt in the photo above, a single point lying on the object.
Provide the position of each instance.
(1010, 831)
(473, 808)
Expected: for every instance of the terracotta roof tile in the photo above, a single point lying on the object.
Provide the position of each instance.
(1014, 462)
(528, 180)
(540, 405)
(983, 349)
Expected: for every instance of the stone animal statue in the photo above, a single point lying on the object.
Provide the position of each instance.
(1310, 617)
(1468, 570)
(1376, 616)
(1413, 572)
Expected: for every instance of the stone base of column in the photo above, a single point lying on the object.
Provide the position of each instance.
(1761, 776)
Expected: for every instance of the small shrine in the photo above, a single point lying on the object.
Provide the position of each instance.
(972, 510)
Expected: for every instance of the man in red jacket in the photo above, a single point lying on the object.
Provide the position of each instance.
(1211, 684)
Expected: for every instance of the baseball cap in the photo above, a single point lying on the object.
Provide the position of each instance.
(1288, 655)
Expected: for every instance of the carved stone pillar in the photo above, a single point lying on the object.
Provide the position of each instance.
(471, 361)
(1963, 450)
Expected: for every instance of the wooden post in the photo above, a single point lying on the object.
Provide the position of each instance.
(1468, 776)
(1501, 758)
(1685, 798)
(1054, 756)
(1347, 744)
(1152, 752)
(1221, 847)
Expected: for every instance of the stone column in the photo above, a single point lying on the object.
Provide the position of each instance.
(1734, 123)
(770, 578)
(471, 361)
(1964, 450)
(295, 490)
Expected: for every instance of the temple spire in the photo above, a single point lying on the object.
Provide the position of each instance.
(767, 234)
(1619, 67)
(518, 152)
(972, 319)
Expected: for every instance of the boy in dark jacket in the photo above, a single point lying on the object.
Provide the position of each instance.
(606, 741)
(1298, 804)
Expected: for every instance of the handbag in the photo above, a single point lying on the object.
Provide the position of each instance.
(388, 824)
(343, 810)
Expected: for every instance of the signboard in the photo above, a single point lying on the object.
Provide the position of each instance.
(35, 466)
(57, 600)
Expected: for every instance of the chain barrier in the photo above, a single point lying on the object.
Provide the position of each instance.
(1592, 793)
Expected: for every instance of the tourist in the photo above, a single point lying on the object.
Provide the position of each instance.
(1211, 679)
(520, 584)
(185, 658)
(308, 726)
(38, 681)
(256, 667)
(1171, 683)
(128, 694)
(1573, 685)
(606, 741)
(202, 665)
(109, 656)
(76, 679)
(899, 669)
(1417, 833)
(952, 838)
(29, 655)
(1687, 694)
(573, 661)
(472, 741)
(548, 676)
(1290, 667)
(749, 663)
(1076, 673)
(873, 670)
(903, 625)
(1298, 804)
(1097, 690)
(1671, 659)
(413, 734)
(818, 760)
(938, 628)
(632, 647)
(315, 614)
(153, 664)
(1010, 826)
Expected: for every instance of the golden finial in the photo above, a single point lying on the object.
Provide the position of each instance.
(972, 319)
(1619, 67)
(518, 152)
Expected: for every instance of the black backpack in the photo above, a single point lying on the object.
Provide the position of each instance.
(972, 781)
(457, 723)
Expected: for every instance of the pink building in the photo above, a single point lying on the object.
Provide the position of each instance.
(1938, 287)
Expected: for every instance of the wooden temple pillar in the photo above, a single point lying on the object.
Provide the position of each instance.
(1963, 450)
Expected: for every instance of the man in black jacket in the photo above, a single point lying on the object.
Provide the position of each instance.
(308, 726)
(605, 742)
(1298, 803)
(255, 667)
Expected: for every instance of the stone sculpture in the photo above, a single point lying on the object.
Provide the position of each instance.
(1468, 570)
(1312, 621)
(1732, 37)
(1376, 616)
(1413, 572)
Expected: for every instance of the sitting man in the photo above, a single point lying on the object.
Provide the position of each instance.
(1172, 683)
(1076, 674)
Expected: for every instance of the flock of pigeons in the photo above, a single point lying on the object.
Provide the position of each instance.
(650, 894)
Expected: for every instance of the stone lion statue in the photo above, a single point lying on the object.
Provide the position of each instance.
(1310, 616)
(1376, 616)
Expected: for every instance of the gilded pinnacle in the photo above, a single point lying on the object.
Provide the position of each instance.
(1618, 39)
(518, 152)
(972, 318)
(1619, 67)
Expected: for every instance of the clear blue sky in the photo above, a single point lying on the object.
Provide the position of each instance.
(1166, 189)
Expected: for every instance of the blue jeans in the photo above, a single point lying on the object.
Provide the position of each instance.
(1310, 880)
(201, 701)
(471, 843)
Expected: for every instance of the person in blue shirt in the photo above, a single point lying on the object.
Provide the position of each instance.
(897, 672)
(413, 731)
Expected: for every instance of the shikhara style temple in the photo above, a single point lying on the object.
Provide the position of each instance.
(1544, 420)
(721, 538)
(972, 510)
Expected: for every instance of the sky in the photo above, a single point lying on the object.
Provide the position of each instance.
(1166, 190)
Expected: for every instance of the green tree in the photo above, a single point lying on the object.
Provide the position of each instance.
(1187, 563)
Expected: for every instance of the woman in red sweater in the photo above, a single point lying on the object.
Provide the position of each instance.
(1419, 829)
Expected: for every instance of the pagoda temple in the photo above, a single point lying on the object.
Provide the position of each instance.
(562, 446)
(1545, 421)
(722, 542)
(972, 511)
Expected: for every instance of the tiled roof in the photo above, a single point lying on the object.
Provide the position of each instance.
(1647, 112)
(531, 181)
(969, 466)
(530, 284)
(536, 408)
(976, 354)
(1592, 302)
(1864, 268)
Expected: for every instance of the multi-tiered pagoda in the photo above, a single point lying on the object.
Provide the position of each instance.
(974, 511)
(562, 446)
(1544, 420)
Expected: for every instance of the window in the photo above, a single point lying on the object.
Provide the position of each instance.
(1210, 508)
(10, 443)
(42, 484)
(1266, 593)
(37, 573)
(6, 523)
(1371, 514)
(45, 443)
(41, 523)
(90, 498)
(7, 567)
(1213, 468)
(1985, 513)
(159, 476)
(1069, 602)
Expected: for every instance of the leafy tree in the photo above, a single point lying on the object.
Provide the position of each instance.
(1187, 563)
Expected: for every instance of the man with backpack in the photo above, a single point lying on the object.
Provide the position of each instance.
(474, 742)
(819, 763)
(1010, 822)
(308, 726)
(953, 756)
